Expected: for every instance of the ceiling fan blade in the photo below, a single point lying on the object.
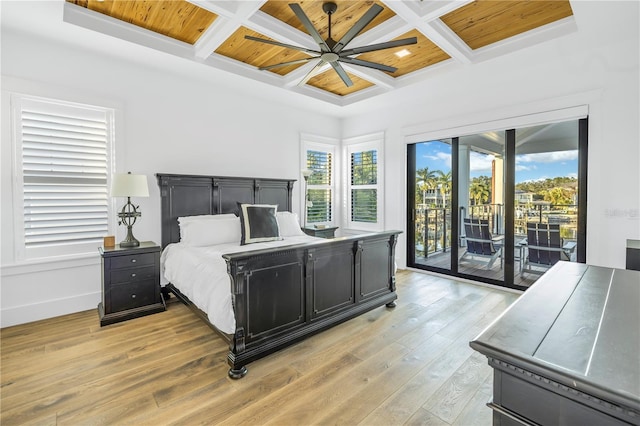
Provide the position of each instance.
(277, 43)
(368, 64)
(357, 27)
(309, 26)
(379, 46)
(284, 64)
(342, 73)
(314, 71)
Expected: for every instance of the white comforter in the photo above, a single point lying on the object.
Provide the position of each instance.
(200, 273)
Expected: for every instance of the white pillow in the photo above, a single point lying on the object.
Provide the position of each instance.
(198, 218)
(288, 224)
(216, 229)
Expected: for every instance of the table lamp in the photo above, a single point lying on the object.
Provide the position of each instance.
(306, 173)
(128, 185)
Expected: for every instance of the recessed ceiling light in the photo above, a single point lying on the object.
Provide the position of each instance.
(402, 53)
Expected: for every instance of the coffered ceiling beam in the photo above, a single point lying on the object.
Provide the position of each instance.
(269, 26)
(117, 28)
(434, 29)
(386, 31)
(373, 76)
(227, 22)
(293, 78)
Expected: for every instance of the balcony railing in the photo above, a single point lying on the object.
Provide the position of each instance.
(433, 225)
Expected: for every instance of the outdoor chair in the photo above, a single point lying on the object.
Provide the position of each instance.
(480, 242)
(544, 247)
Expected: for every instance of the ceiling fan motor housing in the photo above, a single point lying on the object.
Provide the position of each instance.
(329, 7)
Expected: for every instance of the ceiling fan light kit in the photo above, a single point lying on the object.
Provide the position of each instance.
(332, 52)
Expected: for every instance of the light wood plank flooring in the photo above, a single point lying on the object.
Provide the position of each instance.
(409, 365)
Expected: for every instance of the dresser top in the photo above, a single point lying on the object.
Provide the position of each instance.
(578, 325)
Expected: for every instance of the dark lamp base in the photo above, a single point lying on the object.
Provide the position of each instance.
(130, 240)
(134, 243)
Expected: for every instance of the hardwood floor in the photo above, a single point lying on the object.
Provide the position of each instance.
(410, 365)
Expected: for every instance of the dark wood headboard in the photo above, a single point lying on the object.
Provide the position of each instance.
(190, 195)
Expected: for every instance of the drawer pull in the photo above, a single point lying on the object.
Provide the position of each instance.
(133, 296)
(133, 260)
(133, 275)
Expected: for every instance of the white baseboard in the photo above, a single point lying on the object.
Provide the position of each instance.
(49, 309)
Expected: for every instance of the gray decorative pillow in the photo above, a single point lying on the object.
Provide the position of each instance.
(258, 223)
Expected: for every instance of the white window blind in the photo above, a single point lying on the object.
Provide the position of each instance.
(364, 175)
(64, 173)
(319, 187)
(364, 192)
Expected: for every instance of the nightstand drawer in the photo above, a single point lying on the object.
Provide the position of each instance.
(133, 295)
(143, 259)
(130, 275)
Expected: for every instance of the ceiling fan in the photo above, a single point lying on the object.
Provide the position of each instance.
(333, 52)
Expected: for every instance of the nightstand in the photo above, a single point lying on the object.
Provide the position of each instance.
(328, 232)
(130, 282)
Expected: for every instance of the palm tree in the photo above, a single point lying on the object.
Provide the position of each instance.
(425, 180)
(444, 183)
(478, 192)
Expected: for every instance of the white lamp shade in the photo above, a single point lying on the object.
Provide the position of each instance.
(306, 173)
(128, 185)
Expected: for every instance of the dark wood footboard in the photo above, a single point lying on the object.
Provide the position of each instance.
(284, 295)
(281, 295)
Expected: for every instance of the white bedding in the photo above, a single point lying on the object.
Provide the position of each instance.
(200, 273)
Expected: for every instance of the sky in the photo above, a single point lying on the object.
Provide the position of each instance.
(437, 156)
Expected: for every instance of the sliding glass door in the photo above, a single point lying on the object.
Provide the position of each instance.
(499, 207)
(432, 207)
(482, 205)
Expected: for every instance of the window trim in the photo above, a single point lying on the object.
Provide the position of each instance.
(44, 255)
(363, 143)
(323, 144)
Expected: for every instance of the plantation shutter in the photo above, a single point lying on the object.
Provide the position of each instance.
(364, 192)
(64, 173)
(319, 186)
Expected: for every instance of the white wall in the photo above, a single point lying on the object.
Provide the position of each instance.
(597, 66)
(172, 123)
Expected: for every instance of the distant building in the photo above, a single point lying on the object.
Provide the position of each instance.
(524, 197)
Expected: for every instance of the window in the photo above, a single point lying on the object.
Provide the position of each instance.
(319, 158)
(364, 192)
(62, 171)
(319, 206)
(365, 197)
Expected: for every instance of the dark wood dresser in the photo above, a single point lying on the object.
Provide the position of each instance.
(130, 282)
(568, 351)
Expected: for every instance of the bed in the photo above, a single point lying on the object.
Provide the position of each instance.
(279, 292)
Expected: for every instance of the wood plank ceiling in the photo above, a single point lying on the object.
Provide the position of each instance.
(447, 31)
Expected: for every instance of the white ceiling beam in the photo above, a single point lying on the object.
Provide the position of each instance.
(431, 10)
(374, 76)
(434, 29)
(293, 78)
(228, 9)
(225, 24)
(276, 29)
(386, 31)
(99, 22)
(447, 40)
